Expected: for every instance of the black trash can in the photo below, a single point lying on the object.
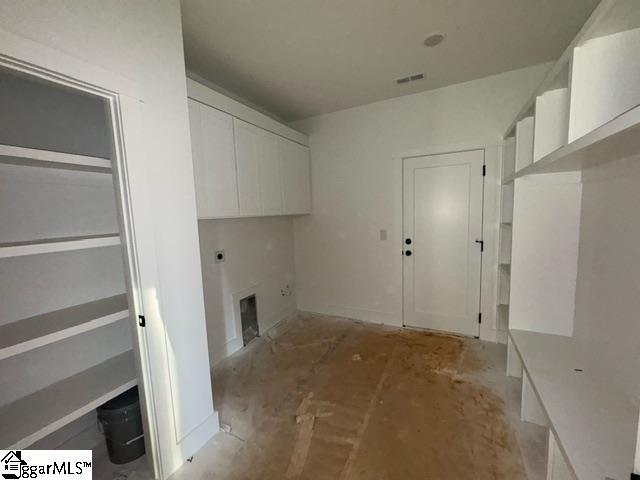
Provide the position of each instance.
(121, 423)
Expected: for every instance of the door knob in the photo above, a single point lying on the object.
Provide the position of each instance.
(407, 253)
(408, 241)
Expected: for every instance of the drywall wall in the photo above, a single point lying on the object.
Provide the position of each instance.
(342, 266)
(142, 41)
(258, 261)
(608, 283)
(36, 114)
(546, 231)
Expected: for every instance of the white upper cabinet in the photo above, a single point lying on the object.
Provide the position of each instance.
(294, 171)
(214, 161)
(248, 167)
(270, 183)
(243, 169)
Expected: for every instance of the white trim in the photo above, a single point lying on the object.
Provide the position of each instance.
(203, 94)
(25, 55)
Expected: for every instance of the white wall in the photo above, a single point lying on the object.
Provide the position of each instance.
(608, 285)
(37, 115)
(544, 253)
(142, 41)
(259, 260)
(342, 266)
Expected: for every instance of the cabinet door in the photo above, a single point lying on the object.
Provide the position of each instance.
(270, 184)
(294, 174)
(197, 154)
(248, 167)
(214, 161)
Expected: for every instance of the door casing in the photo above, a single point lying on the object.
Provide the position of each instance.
(125, 100)
(492, 153)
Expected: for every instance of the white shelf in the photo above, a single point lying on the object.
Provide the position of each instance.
(52, 245)
(24, 335)
(614, 140)
(31, 157)
(595, 424)
(31, 418)
(608, 12)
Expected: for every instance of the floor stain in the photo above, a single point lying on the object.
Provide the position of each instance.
(329, 398)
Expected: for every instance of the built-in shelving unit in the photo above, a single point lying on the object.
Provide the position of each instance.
(31, 418)
(616, 139)
(24, 335)
(584, 115)
(593, 422)
(64, 311)
(504, 243)
(13, 155)
(53, 245)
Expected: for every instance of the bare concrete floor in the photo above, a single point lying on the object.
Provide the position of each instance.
(330, 398)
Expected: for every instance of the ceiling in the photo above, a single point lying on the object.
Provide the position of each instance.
(299, 58)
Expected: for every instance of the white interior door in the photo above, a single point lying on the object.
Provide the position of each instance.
(442, 224)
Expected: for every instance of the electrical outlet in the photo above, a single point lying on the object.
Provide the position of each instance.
(219, 256)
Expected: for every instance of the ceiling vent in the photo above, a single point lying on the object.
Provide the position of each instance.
(410, 78)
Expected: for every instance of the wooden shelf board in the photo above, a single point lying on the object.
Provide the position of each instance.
(31, 418)
(614, 140)
(52, 245)
(595, 424)
(31, 157)
(24, 335)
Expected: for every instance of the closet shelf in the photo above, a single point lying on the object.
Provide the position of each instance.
(619, 138)
(31, 157)
(35, 416)
(30, 333)
(52, 245)
(594, 423)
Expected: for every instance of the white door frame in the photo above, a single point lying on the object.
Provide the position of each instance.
(125, 101)
(488, 292)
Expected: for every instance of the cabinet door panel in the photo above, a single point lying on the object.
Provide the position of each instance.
(248, 167)
(270, 185)
(214, 162)
(222, 189)
(197, 153)
(294, 172)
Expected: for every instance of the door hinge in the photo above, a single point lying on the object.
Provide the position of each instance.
(142, 321)
(479, 317)
(484, 170)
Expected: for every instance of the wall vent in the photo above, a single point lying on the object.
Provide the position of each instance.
(410, 78)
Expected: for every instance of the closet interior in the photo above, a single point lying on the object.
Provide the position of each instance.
(66, 331)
